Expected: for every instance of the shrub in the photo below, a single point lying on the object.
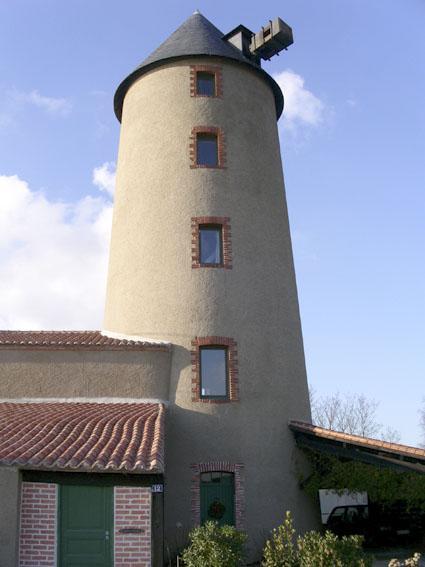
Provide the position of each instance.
(279, 550)
(410, 562)
(212, 545)
(312, 550)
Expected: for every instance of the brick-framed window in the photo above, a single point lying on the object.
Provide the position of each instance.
(213, 137)
(226, 245)
(232, 384)
(197, 72)
(218, 466)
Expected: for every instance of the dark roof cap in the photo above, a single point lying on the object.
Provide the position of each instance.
(196, 37)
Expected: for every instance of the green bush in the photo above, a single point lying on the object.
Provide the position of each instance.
(410, 562)
(212, 545)
(312, 550)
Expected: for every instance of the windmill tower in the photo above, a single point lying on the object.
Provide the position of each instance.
(201, 257)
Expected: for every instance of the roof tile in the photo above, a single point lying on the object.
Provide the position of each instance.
(125, 437)
(72, 340)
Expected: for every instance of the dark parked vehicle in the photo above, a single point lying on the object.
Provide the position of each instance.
(379, 525)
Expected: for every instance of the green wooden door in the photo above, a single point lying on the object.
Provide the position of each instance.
(218, 498)
(85, 524)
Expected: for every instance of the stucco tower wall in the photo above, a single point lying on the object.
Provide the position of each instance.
(153, 291)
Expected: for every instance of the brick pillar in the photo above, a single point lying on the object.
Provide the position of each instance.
(37, 542)
(10, 480)
(132, 511)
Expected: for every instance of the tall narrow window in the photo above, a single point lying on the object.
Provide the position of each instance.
(205, 84)
(210, 245)
(206, 149)
(213, 371)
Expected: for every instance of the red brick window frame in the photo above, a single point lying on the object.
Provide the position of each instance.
(218, 466)
(218, 80)
(232, 369)
(221, 147)
(226, 244)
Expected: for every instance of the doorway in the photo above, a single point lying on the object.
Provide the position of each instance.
(85, 526)
(218, 497)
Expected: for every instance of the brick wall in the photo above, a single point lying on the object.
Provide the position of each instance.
(219, 466)
(132, 510)
(37, 542)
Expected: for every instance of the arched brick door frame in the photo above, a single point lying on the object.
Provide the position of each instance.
(218, 466)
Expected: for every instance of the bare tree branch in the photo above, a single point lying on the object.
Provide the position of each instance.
(391, 435)
(351, 413)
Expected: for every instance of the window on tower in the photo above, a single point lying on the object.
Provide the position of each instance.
(206, 149)
(210, 245)
(213, 372)
(206, 81)
(205, 84)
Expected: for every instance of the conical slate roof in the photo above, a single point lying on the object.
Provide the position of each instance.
(197, 36)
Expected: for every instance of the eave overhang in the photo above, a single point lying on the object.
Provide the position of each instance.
(354, 447)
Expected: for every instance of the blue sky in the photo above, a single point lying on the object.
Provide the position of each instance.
(353, 142)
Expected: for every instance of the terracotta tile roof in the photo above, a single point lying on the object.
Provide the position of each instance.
(98, 437)
(73, 340)
(367, 442)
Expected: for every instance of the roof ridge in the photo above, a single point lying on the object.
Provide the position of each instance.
(81, 400)
(90, 340)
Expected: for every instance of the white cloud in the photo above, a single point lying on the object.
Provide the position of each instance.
(53, 259)
(104, 177)
(59, 106)
(302, 107)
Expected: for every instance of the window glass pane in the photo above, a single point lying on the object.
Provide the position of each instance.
(206, 150)
(205, 84)
(213, 372)
(338, 512)
(210, 245)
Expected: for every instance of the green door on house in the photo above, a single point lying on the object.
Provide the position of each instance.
(218, 497)
(85, 526)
